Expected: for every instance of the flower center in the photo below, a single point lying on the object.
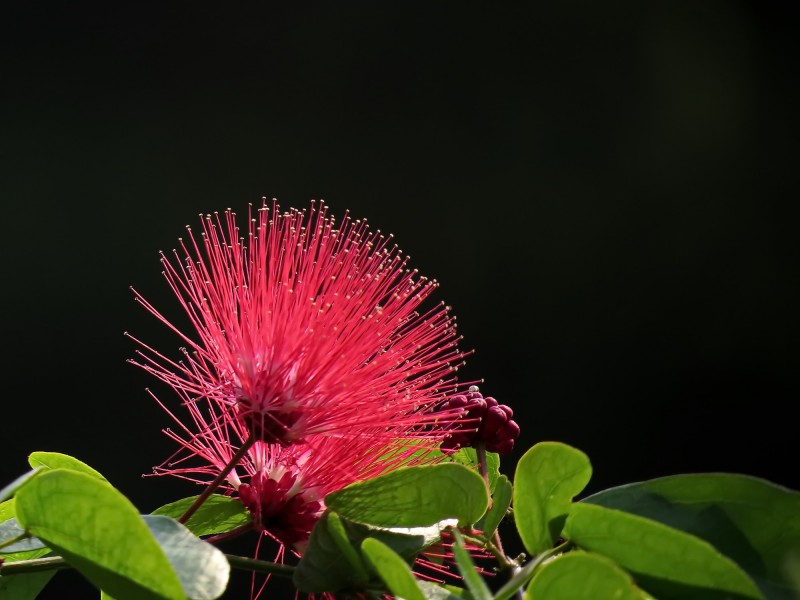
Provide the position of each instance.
(273, 426)
(279, 508)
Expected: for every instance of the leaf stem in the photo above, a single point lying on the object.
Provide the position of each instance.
(34, 565)
(223, 537)
(50, 563)
(251, 438)
(259, 566)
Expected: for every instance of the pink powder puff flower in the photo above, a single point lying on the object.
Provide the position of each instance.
(305, 328)
(284, 486)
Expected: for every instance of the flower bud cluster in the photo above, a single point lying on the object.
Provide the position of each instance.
(483, 420)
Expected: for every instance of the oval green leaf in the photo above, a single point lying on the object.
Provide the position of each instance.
(752, 521)
(392, 569)
(414, 497)
(56, 460)
(668, 563)
(469, 457)
(501, 500)
(583, 576)
(547, 478)
(99, 532)
(218, 514)
(339, 535)
(323, 567)
(201, 568)
(475, 584)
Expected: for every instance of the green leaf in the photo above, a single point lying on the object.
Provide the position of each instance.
(323, 567)
(99, 532)
(583, 576)
(414, 496)
(666, 562)
(442, 591)
(56, 460)
(10, 489)
(218, 514)
(408, 542)
(392, 569)
(519, 579)
(469, 457)
(339, 536)
(752, 521)
(201, 568)
(501, 500)
(475, 583)
(548, 476)
(10, 530)
(25, 586)
(7, 512)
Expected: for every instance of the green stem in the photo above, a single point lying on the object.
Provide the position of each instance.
(224, 537)
(496, 545)
(34, 565)
(57, 562)
(218, 479)
(259, 566)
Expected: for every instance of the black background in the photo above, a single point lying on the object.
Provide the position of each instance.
(607, 193)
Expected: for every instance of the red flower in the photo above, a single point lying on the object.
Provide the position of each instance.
(284, 486)
(304, 328)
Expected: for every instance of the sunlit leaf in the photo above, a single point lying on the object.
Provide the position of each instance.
(752, 521)
(99, 532)
(218, 514)
(414, 496)
(548, 476)
(392, 569)
(668, 563)
(583, 576)
(56, 460)
(469, 457)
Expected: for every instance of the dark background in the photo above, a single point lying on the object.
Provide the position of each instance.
(607, 193)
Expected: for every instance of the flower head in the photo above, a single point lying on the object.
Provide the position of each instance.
(305, 328)
(284, 486)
